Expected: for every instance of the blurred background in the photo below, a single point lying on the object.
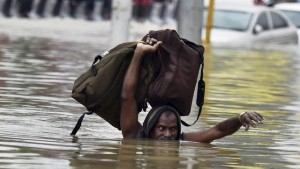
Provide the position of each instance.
(190, 18)
(87, 9)
(157, 11)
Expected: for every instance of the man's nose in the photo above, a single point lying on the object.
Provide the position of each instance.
(167, 133)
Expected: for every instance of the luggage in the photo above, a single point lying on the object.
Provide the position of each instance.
(167, 77)
(180, 61)
(99, 88)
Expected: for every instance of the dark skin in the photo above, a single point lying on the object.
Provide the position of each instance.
(166, 127)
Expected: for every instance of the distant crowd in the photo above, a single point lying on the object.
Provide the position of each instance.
(158, 11)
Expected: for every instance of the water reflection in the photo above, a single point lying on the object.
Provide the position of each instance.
(262, 80)
(37, 113)
(154, 154)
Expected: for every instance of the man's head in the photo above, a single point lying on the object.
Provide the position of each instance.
(162, 123)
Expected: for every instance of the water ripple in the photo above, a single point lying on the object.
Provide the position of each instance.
(37, 113)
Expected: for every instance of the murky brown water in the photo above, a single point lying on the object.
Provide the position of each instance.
(37, 113)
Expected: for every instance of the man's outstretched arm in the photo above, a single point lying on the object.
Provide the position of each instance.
(225, 128)
(129, 111)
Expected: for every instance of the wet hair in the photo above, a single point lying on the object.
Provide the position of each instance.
(153, 116)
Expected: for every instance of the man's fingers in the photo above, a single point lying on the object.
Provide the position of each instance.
(248, 120)
(154, 40)
(151, 41)
(247, 127)
(261, 117)
(150, 48)
(156, 45)
(251, 119)
(148, 39)
(255, 117)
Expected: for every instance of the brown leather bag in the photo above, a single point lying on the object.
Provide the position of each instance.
(179, 61)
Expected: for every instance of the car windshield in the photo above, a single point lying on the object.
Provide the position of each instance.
(294, 17)
(227, 19)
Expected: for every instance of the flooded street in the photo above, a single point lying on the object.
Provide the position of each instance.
(37, 112)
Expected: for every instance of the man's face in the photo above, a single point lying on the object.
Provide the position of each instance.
(166, 127)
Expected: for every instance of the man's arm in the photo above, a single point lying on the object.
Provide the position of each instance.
(225, 128)
(129, 111)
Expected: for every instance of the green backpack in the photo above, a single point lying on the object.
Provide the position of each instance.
(99, 88)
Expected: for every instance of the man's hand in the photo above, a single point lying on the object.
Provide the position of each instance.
(250, 118)
(151, 46)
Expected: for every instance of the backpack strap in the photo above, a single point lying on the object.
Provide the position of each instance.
(200, 97)
(78, 124)
(94, 71)
(93, 68)
(201, 83)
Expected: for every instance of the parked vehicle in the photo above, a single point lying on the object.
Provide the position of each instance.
(251, 25)
(244, 3)
(292, 11)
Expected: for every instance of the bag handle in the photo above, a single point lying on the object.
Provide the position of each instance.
(201, 83)
(200, 97)
(78, 124)
(201, 89)
(93, 67)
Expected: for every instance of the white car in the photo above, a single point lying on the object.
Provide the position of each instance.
(292, 11)
(248, 26)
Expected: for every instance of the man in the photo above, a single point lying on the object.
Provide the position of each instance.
(163, 122)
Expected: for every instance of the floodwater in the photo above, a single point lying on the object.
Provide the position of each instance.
(37, 113)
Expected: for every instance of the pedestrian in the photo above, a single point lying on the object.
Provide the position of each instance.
(106, 9)
(57, 8)
(89, 8)
(6, 8)
(156, 11)
(25, 6)
(73, 6)
(141, 9)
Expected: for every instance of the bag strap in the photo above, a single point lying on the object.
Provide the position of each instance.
(200, 97)
(78, 124)
(201, 83)
(201, 89)
(93, 68)
(94, 71)
(198, 115)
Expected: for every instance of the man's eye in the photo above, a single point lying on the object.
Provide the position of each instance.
(161, 128)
